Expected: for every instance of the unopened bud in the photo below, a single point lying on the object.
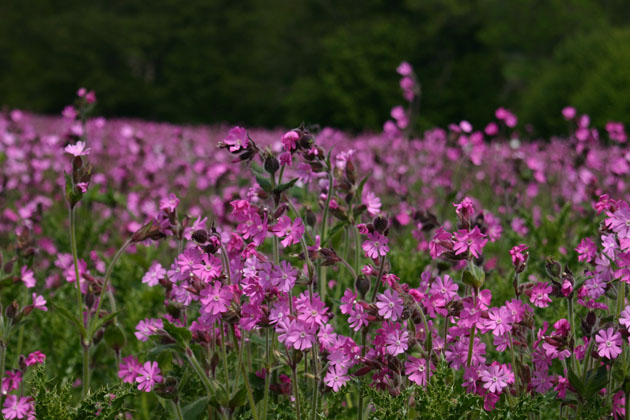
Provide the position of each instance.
(115, 337)
(553, 267)
(474, 276)
(12, 310)
(362, 283)
(311, 218)
(271, 164)
(380, 223)
(200, 236)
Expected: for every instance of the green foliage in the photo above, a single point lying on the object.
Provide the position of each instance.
(53, 402)
(324, 62)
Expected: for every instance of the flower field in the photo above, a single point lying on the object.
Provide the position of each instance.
(157, 271)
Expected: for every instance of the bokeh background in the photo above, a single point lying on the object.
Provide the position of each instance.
(277, 63)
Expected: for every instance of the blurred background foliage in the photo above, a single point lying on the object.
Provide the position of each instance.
(278, 62)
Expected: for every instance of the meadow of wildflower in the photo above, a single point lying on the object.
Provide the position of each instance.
(156, 271)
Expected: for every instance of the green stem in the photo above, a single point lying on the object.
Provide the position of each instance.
(199, 371)
(627, 405)
(471, 342)
(250, 395)
(268, 354)
(86, 369)
(360, 403)
(178, 409)
(315, 352)
(225, 259)
(296, 392)
(225, 362)
(378, 279)
(357, 249)
(572, 324)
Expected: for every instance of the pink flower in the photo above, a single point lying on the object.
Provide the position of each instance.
(444, 290)
(416, 370)
(396, 339)
(148, 327)
(128, 369)
(77, 149)
(404, 69)
(236, 139)
(18, 408)
(292, 232)
(473, 241)
(464, 210)
(12, 380)
(372, 202)
(37, 357)
(358, 318)
(539, 295)
(39, 302)
(148, 376)
(216, 299)
(499, 321)
(375, 245)
(620, 223)
(284, 277)
(518, 259)
(154, 275)
(28, 277)
(336, 377)
(290, 139)
(568, 112)
(495, 378)
(608, 343)
(586, 250)
(390, 305)
(442, 242)
(624, 317)
(301, 336)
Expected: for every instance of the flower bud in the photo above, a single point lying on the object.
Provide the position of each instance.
(380, 223)
(553, 267)
(12, 310)
(200, 236)
(311, 218)
(271, 164)
(474, 276)
(115, 337)
(362, 283)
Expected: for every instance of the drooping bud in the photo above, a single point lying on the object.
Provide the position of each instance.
(362, 283)
(271, 164)
(200, 236)
(380, 223)
(311, 218)
(473, 276)
(115, 337)
(12, 310)
(553, 267)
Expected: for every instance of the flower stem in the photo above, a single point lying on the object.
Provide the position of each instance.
(296, 391)
(471, 342)
(199, 371)
(225, 362)
(378, 278)
(250, 395)
(86, 368)
(178, 409)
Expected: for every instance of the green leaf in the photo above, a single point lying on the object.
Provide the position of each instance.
(576, 382)
(283, 187)
(332, 232)
(100, 322)
(595, 381)
(181, 335)
(71, 317)
(239, 398)
(195, 409)
(264, 183)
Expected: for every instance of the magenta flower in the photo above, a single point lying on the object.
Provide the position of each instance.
(442, 242)
(518, 258)
(443, 290)
(28, 277)
(147, 327)
(18, 408)
(289, 140)
(216, 299)
(620, 223)
(154, 275)
(495, 378)
(292, 232)
(372, 202)
(12, 380)
(301, 336)
(348, 301)
(473, 241)
(416, 370)
(35, 358)
(499, 321)
(128, 369)
(465, 209)
(375, 245)
(539, 295)
(148, 376)
(77, 149)
(39, 302)
(624, 317)
(396, 339)
(284, 277)
(390, 305)
(236, 139)
(358, 318)
(608, 343)
(336, 377)
(586, 250)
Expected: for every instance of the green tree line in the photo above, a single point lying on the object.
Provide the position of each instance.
(281, 62)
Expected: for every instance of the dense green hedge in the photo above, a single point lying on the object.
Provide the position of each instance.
(275, 62)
